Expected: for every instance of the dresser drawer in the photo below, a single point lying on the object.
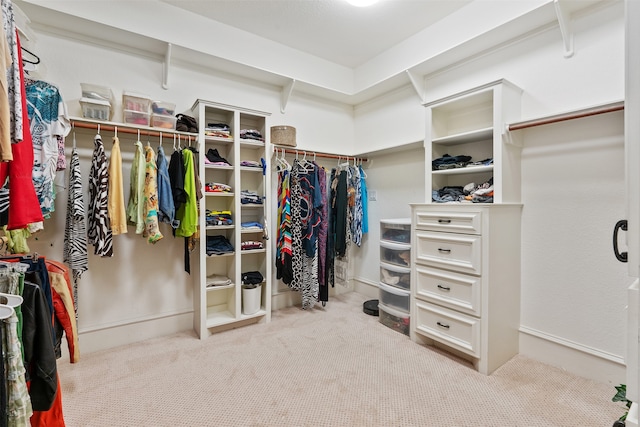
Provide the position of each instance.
(453, 329)
(448, 221)
(457, 252)
(453, 290)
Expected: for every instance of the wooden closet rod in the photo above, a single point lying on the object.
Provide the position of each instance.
(126, 128)
(602, 109)
(318, 154)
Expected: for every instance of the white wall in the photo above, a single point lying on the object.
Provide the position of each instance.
(573, 290)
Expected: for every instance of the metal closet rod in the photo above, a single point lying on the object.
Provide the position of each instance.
(608, 108)
(318, 154)
(123, 128)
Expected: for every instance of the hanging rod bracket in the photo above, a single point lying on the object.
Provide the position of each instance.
(165, 67)
(564, 20)
(418, 85)
(285, 94)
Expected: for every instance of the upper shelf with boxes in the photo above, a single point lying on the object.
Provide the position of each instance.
(138, 110)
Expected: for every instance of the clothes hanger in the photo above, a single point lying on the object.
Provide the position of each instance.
(6, 311)
(35, 59)
(10, 300)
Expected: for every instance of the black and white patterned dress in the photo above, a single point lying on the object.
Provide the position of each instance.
(75, 233)
(99, 229)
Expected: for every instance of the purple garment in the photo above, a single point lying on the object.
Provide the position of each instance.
(323, 228)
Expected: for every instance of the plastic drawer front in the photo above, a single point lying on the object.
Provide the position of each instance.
(458, 252)
(451, 328)
(394, 319)
(396, 231)
(395, 297)
(457, 291)
(394, 275)
(462, 222)
(395, 253)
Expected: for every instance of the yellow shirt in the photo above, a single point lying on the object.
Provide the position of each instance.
(117, 213)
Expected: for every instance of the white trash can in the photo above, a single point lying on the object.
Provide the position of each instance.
(251, 296)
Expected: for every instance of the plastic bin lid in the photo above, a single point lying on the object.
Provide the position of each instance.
(95, 101)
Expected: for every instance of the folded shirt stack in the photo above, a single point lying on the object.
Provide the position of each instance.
(251, 164)
(251, 226)
(218, 217)
(219, 130)
(218, 280)
(214, 158)
(250, 197)
(219, 245)
(251, 134)
(216, 187)
(249, 244)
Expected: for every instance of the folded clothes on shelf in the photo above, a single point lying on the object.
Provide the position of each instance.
(219, 245)
(218, 280)
(219, 217)
(214, 158)
(251, 134)
(250, 244)
(250, 197)
(217, 187)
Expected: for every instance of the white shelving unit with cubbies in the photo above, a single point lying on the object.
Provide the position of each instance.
(218, 299)
(472, 123)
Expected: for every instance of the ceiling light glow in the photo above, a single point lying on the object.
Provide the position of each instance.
(362, 3)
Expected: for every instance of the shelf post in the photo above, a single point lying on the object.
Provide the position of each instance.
(417, 85)
(285, 95)
(165, 67)
(564, 20)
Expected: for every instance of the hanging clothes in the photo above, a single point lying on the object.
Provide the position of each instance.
(323, 228)
(166, 207)
(176, 176)
(117, 212)
(135, 207)
(99, 228)
(18, 404)
(49, 123)
(365, 200)
(64, 309)
(340, 208)
(5, 116)
(18, 199)
(355, 223)
(75, 233)
(284, 267)
(14, 73)
(150, 199)
(188, 211)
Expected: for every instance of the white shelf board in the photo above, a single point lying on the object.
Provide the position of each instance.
(463, 171)
(465, 137)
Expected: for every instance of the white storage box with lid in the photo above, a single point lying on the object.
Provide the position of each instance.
(93, 108)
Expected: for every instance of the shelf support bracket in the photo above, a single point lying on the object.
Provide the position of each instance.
(165, 67)
(564, 20)
(418, 85)
(285, 94)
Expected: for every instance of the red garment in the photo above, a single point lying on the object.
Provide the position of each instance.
(51, 418)
(24, 207)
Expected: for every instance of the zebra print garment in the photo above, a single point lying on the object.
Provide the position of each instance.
(99, 229)
(75, 232)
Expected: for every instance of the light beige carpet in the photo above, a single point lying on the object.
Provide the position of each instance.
(322, 367)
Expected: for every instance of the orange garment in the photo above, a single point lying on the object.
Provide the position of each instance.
(53, 417)
(62, 295)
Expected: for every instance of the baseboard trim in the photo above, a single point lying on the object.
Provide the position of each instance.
(585, 361)
(366, 287)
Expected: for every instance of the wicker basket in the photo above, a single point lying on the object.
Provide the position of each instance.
(283, 135)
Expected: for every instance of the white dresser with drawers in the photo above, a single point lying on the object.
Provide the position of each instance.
(465, 280)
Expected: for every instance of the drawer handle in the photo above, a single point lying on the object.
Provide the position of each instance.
(444, 288)
(442, 325)
(444, 251)
(444, 221)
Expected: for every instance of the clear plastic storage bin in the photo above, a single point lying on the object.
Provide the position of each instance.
(395, 298)
(163, 108)
(394, 319)
(395, 253)
(136, 102)
(396, 230)
(136, 117)
(95, 109)
(91, 91)
(394, 275)
(161, 121)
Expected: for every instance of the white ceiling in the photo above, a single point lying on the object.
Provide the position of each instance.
(330, 29)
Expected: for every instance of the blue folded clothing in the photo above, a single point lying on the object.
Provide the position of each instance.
(218, 245)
